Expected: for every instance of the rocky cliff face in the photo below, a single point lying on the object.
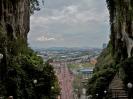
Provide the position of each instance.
(20, 66)
(14, 18)
(14, 25)
(115, 64)
(121, 20)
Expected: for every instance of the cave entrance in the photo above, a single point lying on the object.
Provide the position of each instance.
(69, 30)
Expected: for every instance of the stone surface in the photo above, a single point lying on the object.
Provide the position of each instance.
(14, 27)
(121, 19)
(117, 88)
(14, 18)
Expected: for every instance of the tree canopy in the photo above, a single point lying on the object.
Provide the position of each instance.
(35, 5)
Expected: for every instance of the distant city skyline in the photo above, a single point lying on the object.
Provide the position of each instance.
(70, 23)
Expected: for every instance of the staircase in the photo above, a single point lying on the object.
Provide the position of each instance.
(116, 89)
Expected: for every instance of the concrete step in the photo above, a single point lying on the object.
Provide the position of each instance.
(116, 89)
(120, 97)
(120, 92)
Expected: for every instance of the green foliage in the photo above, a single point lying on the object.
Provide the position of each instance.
(104, 72)
(22, 70)
(35, 5)
(100, 81)
(19, 67)
(105, 58)
(126, 70)
(2, 39)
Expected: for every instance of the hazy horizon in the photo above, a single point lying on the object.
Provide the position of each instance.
(59, 47)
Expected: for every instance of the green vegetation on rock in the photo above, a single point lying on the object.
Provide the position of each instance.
(20, 67)
(126, 71)
(117, 58)
(103, 74)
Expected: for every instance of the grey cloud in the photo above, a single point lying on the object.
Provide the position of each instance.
(79, 22)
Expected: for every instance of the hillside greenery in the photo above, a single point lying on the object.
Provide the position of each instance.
(103, 74)
(106, 68)
(19, 67)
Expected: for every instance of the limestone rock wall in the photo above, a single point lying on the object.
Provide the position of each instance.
(14, 27)
(14, 18)
(121, 20)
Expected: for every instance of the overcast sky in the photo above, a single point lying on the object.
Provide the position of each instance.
(70, 23)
